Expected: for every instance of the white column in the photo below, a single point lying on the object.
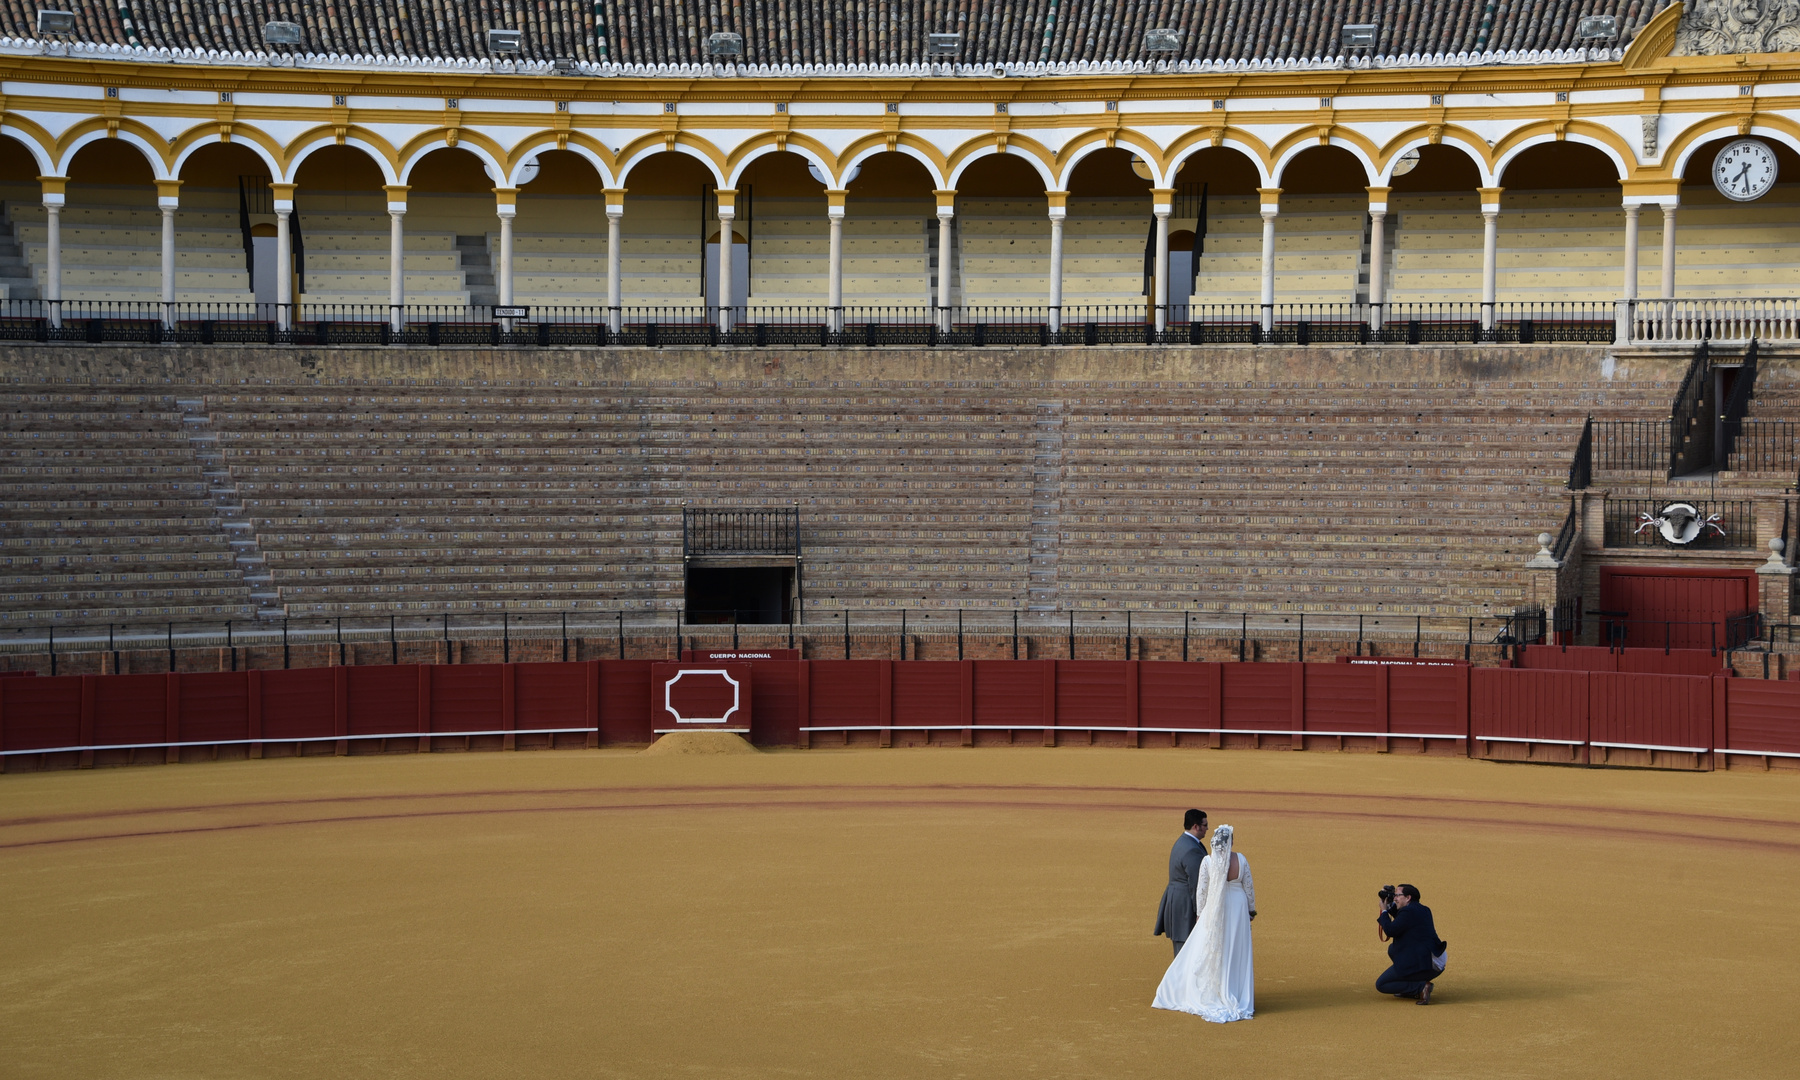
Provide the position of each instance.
(1490, 253)
(1269, 212)
(1057, 215)
(504, 276)
(53, 204)
(946, 240)
(1377, 255)
(284, 265)
(1631, 251)
(167, 205)
(614, 213)
(726, 216)
(834, 288)
(1668, 262)
(397, 265)
(1160, 294)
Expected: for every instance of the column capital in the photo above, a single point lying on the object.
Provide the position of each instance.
(55, 188)
(506, 199)
(1270, 197)
(1651, 192)
(834, 202)
(615, 201)
(946, 200)
(1490, 199)
(1057, 199)
(727, 199)
(1378, 199)
(168, 193)
(284, 197)
(396, 197)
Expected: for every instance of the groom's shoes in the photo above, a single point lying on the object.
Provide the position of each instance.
(1425, 994)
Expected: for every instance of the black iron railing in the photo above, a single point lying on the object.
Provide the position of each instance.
(1718, 524)
(1565, 536)
(1631, 445)
(741, 532)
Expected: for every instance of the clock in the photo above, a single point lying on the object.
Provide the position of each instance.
(1744, 170)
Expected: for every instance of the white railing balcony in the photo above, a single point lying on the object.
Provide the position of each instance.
(1689, 322)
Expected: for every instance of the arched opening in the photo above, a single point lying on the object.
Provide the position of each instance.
(664, 230)
(1433, 228)
(20, 189)
(1001, 236)
(339, 229)
(226, 224)
(1217, 212)
(1745, 243)
(1561, 226)
(111, 227)
(1110, 236)
(1322, 237)
(891, 233)
(559, 235)
(781, 224)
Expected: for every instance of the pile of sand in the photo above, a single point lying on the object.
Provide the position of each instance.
(701, 742)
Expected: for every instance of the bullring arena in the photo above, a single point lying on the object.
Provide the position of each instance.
(642, 539)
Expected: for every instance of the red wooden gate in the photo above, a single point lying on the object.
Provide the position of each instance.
(1675, 608)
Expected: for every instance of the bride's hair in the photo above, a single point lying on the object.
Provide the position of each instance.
(1221, 839)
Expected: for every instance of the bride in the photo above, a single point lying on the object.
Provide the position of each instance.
(1213, 976)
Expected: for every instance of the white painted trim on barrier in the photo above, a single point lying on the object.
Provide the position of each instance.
(680, 731)
(1146, 730)
(1651, 746)
(305, 739)
(1547, 742)
(1758, 753)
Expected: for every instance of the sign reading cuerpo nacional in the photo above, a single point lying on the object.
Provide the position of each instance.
(1721, 27)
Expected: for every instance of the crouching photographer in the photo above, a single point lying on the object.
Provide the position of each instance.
(1417, 956)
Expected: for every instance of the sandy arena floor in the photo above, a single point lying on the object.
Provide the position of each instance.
(901, 913)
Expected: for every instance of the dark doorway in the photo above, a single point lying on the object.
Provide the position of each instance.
(745, 594)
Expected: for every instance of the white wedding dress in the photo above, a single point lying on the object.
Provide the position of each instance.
(1214, 976)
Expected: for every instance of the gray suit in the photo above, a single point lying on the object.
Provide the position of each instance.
(1175, 916)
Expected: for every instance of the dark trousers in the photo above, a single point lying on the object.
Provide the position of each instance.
(1178, 945)
(1403, 984)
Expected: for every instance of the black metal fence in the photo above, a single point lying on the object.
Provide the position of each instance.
(1733, 632)
(1631, 445)
(1728, 523)
(741, 532)
(1083, 635)
(151, 322)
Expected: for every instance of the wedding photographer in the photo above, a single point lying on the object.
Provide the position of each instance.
(1417, 957)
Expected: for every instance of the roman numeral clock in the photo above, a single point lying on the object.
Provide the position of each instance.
(1744, 170)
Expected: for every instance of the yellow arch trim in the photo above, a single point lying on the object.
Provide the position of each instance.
(1714, 126)
(905, 138)
(1475, 145)
(99, 123)
(1338, 131)
(682, 138)
(206, 131)
(437, 139)
(1578, 127)
(326, 132)
(769, 139)
(30, 128)
(1234, 138)
(548, 137)
(992, 139)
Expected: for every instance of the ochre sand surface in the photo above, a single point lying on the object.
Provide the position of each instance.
(900, 913)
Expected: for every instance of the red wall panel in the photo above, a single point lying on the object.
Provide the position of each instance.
(1569, 658)
(625, 701)
(1674, 662)
(1510, 703)
(466, 697)
(132, 709)
(41, 712)
(927, 692)
(775, 713)
(1764, 715)
(215, 706)
(1677, 595)
(1259, 696)
(1342, 698)
(1010, 692)
(1090, 692)
(1651, 710)
(551, 696)
(846, 692)
(1173, 694)
(1427, 700)
(297, 704)
(383, 700)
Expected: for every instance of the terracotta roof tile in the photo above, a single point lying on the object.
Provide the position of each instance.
(841, 31)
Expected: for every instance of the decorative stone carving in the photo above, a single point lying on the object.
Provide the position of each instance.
(1651, 124)
(1720, 27)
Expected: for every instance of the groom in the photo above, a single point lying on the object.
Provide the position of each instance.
(1176, 915)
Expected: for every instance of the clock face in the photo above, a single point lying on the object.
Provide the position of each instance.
(1744, 170)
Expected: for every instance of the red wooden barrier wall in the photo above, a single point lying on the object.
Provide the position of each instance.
(1535, 714)
(1647, 661)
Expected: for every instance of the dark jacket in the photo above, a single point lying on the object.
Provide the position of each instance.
(1175, 915)
(1414, 940)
